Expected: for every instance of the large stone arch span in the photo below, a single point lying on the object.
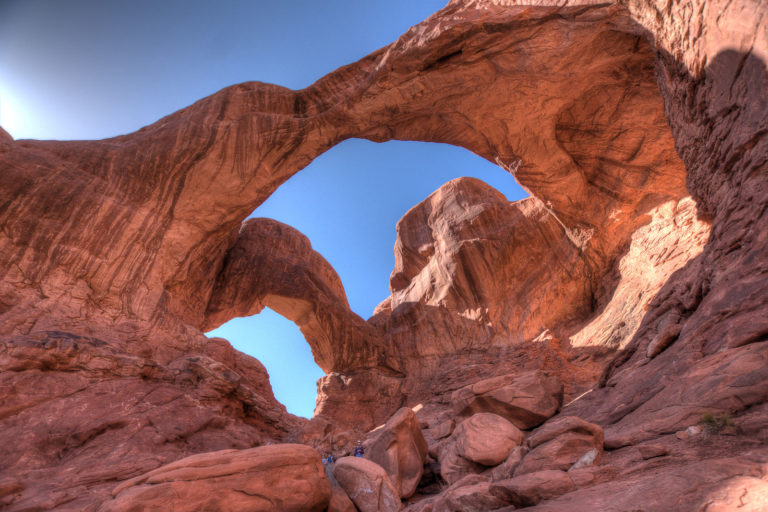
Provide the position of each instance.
(138, 227)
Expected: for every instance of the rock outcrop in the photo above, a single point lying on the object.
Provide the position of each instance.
(367, 485)
(83, 414)
(399, 447)
(285, 478)
(486, 439)
(565, 443)
(302, 287)
(524, 491)
(526, 399)
(635, 273)
(162, 256)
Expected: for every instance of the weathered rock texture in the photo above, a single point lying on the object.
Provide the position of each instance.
(641, 131)
(367, 485)
(399, 447)
(166, 214)
(82, 414)
(301, 286)
(525, 399)
(278, 478)
(486, 439)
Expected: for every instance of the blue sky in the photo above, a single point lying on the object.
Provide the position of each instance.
(94, 69)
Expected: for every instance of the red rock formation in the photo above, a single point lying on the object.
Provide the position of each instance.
(116, 253)
(286, 477)
(399, 447)
(147, 190)
(470, 494)
(80, 414)
(301, 286)
(367, 485)
(530, 489)
(525, 399)
(486, 438)
(566, 443)
(701, 345)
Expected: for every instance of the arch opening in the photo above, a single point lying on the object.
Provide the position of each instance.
(279, 345)
(347, 202)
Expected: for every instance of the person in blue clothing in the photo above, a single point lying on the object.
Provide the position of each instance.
(359, 450)
(330, 459)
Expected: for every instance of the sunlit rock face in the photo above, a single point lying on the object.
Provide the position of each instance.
(497, 80)
(636, 270)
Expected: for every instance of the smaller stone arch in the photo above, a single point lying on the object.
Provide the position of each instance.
(273, 265)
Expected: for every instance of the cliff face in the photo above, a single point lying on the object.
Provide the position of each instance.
(636, 270)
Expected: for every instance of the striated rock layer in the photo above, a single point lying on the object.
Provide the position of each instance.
(639, 129)
(81, 414)
(300, 285)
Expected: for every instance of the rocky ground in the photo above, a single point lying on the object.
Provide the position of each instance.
(601, 345)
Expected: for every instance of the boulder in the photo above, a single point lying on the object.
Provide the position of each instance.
(486, 438)
(275, 478)
(526, 399)
(442, 429)
(506, 469)
(399, 447)
(530, 489)
(582, 477)
(562, 452)
(470, 494)
(340, 502)
(367, 485)
(560, 425)
(562, 444)
(650, 451)
(453, 466)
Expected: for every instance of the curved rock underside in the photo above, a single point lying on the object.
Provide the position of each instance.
(635, 273)
(300, 285)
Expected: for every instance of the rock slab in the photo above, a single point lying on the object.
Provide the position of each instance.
(399, 447)
(526, 400)
(276, 478)
(367, 485)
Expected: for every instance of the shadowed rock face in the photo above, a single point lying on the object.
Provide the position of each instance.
(117, 252)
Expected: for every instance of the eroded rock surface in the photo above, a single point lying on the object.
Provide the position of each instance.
(399, 447)
(303, 287)
(278, 478)
(486, 438)
(530, 489)
(565, 443)
(116, 252)
(526, 400)
(84, 414)
(367, 485)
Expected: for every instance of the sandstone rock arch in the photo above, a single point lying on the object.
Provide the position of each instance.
(273, 265)
(171, 196)
(85, 318)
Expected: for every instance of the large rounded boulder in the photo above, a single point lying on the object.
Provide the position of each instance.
(399, 447)
(527, 399)
(275, 478)
(367, 485)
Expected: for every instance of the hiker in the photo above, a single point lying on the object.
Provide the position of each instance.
(359, 450)
(331, 459)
